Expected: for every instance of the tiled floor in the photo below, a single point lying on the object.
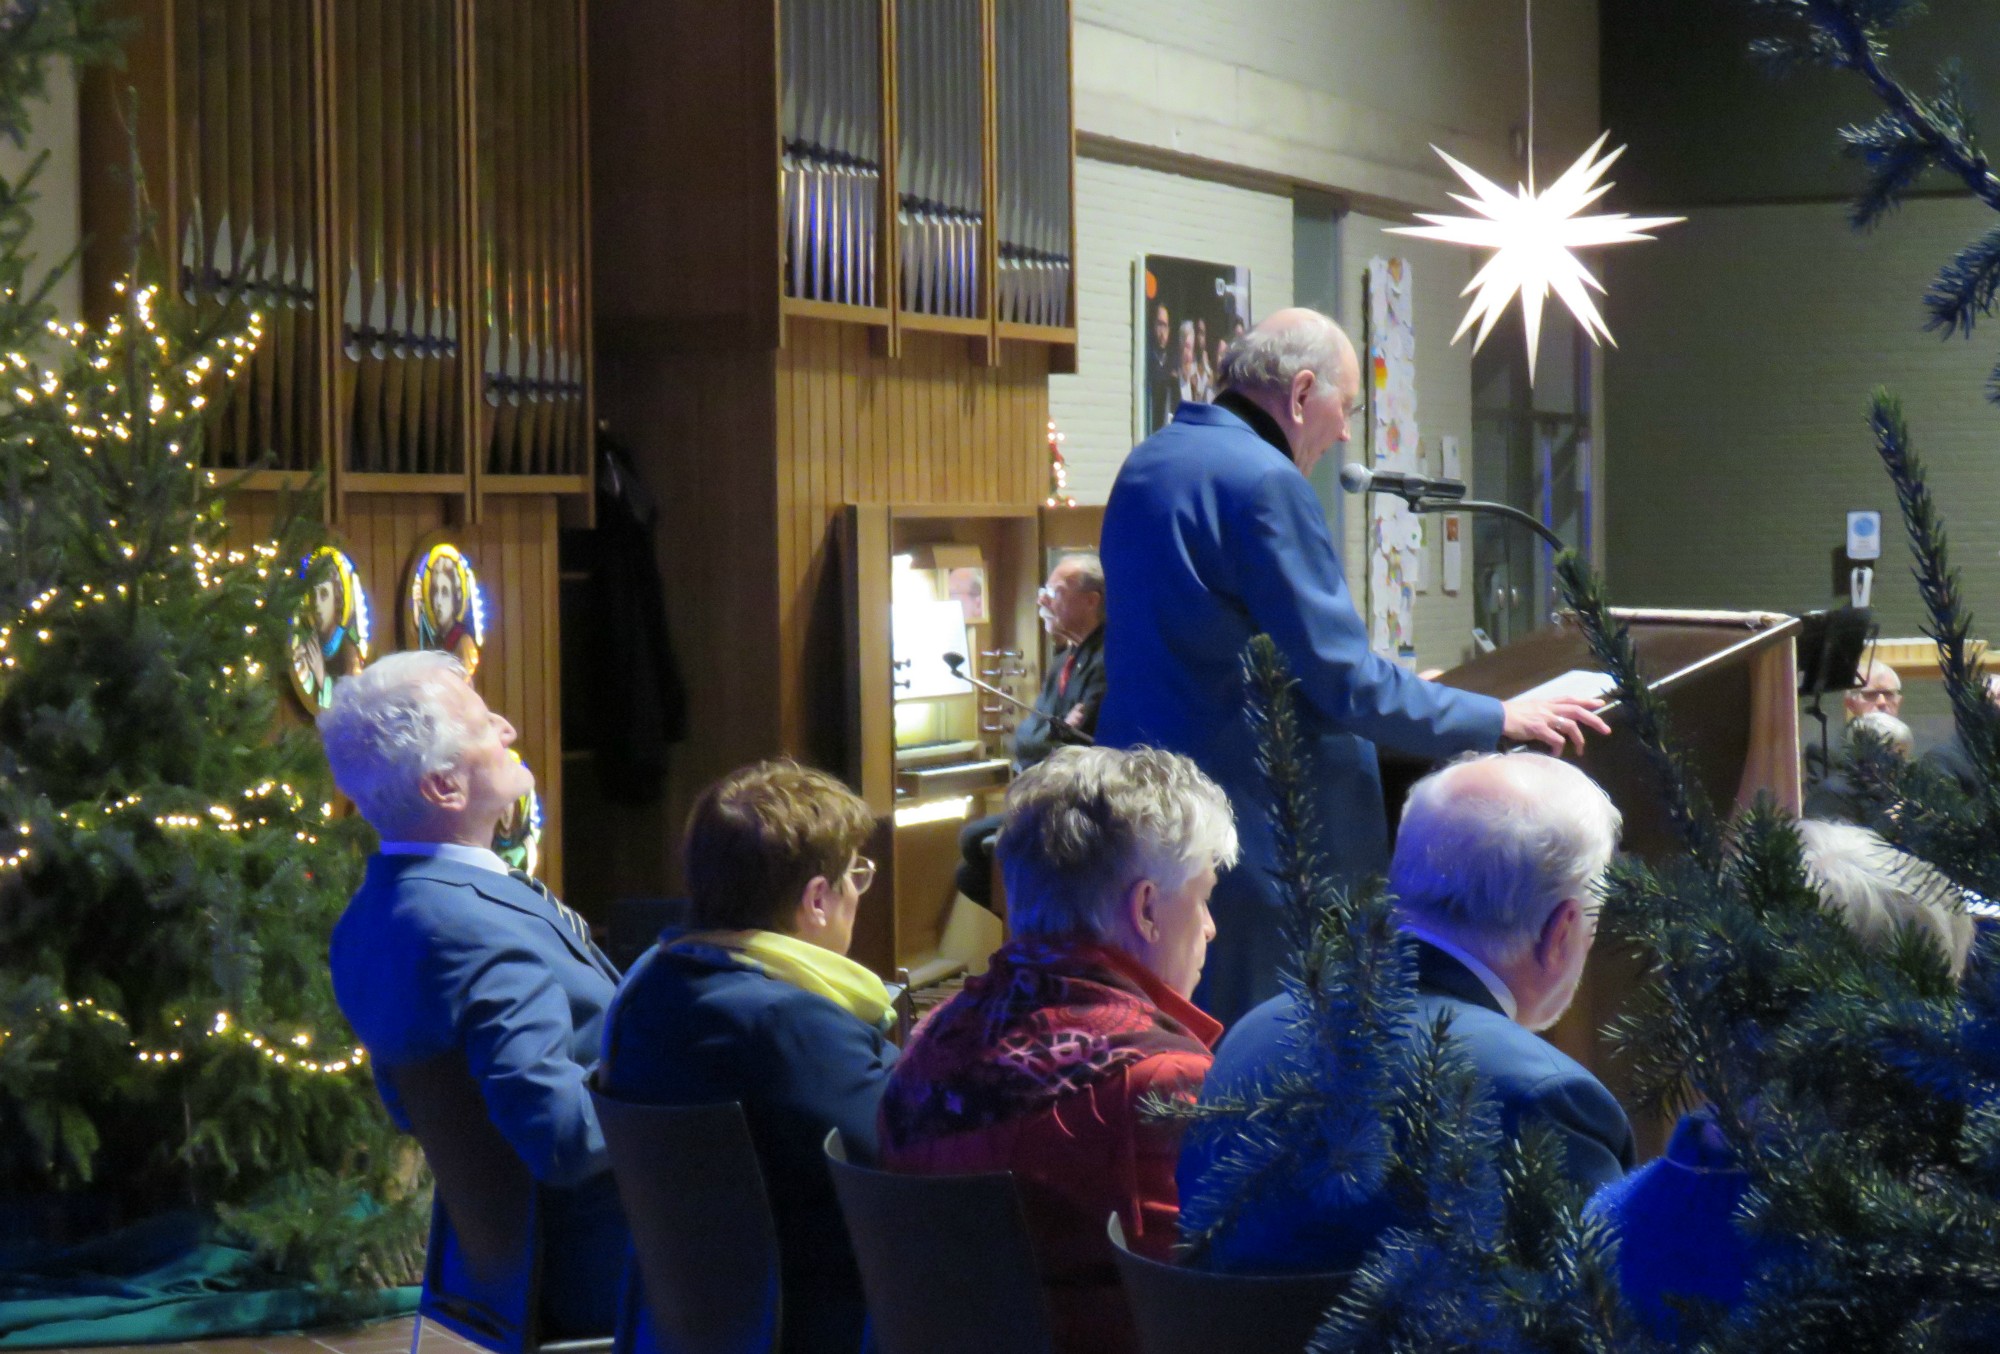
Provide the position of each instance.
(384, 1337)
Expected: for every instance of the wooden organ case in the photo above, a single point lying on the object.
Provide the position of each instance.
(833, 242)
(399, 189)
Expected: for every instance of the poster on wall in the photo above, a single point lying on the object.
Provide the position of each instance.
(1395, 534)
(1186, 315)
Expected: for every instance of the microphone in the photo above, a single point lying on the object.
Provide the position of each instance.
(955, 661)
(1359, 479)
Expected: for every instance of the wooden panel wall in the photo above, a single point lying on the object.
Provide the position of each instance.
(699, 427)
(514, 549)
(930, 427)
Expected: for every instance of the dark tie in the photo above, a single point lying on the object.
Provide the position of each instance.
(571, 917)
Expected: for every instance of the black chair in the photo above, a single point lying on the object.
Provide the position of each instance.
(945, 1260)
(486, 1212)
(702, 1233)
(1191, 1311)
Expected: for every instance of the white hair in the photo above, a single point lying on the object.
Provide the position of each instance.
(1264, 361)
(1878, 890)
(386, 730)
(1886, 727)
(1085, 824)
(1089, 569)
(1491, 843)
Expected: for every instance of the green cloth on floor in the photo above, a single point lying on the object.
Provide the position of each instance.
(166, 1279)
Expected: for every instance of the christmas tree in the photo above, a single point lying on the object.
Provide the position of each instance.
(170, 861)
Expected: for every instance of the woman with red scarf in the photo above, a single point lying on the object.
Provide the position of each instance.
(1040, 1065)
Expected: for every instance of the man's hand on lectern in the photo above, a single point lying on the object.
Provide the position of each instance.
(1556, 723)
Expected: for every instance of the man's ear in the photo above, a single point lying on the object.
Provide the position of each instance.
(1140, 898)
(1560, 933)
(445, 790)
(1302, 384)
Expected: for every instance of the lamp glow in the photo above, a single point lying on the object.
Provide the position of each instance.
(1532, 235)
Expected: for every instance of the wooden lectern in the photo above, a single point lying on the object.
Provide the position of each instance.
(1730, 682)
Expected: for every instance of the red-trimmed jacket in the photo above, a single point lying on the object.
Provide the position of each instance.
(1039, 1068)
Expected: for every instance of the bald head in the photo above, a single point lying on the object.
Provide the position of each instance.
(1490, 843)
(1298, 367)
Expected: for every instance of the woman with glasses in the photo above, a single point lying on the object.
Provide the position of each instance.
(759, 1003)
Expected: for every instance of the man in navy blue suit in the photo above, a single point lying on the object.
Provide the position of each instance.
(444, 949)
(1213, 534)
(1496, 874)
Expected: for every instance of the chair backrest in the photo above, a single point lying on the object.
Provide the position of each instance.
(945, 1260)
(1192, 1311)
(707, 1249)
(485, 1275)
(484, 1184)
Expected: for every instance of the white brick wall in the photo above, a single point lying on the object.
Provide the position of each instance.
(1749, 340)
(1123, 212)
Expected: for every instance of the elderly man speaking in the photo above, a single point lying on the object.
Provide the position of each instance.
(443, 950)
(1213, 534)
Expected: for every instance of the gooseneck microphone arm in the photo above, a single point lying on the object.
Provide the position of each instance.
(1438, 496)
(1507, 510)
(956, 662)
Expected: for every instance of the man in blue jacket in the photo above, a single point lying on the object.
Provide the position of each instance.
(1496, 876)
(1213, 534)
(443, 949)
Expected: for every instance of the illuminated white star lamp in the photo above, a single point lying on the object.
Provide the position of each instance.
(1531, 235)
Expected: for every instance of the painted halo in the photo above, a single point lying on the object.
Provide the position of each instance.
(444, 607)
(329, 635)
(517, 837)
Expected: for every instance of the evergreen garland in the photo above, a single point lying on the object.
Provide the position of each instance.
(170, 861)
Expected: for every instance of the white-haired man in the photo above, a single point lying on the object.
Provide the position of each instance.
(1071, 604)
(1213, 534)
(1041, 1065)
(1495, 877)
(443, 951)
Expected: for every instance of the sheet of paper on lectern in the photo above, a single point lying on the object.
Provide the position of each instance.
(1579, 682)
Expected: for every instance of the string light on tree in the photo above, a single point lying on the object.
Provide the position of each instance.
(1059, 495)
(1532, 235)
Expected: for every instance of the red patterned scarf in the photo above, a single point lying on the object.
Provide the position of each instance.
(1048, 1018)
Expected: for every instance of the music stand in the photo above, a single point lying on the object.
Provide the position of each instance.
(1830, 647)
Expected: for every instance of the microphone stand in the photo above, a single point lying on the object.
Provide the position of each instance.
(1419, 503)
(1062, 730)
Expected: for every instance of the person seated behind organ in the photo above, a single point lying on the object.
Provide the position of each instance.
(1495, 875)
(1675, 1216)
(1071, 604)
(759, 1004)
(444, 950)
(1039, 1066)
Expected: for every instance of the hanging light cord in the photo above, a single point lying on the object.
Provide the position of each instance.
(1528, 9)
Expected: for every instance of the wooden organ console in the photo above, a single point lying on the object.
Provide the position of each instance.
(834, 241)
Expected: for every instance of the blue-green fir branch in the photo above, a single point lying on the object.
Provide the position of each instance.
(1693, 819)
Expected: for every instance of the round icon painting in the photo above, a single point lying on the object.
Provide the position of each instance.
(443, 607)
(517, 837)
(329, 634)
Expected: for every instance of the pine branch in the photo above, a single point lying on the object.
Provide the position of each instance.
(1949, 623)
(1610, 641)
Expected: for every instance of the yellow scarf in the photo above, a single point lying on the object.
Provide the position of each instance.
(805, 966)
